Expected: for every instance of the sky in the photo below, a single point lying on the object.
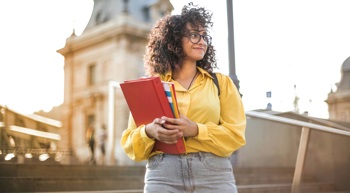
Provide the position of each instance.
(288, 47)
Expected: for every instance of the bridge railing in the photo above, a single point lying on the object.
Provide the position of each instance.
(28, 136)
(304, 140)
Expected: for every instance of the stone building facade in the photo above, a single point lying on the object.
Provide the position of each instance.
(339, 101)
(110, 49)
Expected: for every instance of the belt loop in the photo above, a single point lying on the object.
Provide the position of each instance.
(200, 156)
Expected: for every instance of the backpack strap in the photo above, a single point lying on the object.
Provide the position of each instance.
(216, 82)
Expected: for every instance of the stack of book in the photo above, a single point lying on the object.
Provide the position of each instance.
(150, 98)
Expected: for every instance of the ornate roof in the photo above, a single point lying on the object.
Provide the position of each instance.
(346, 65)
(147, 11)
(344, 84)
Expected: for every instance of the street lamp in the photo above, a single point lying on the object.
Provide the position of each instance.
(231, 44)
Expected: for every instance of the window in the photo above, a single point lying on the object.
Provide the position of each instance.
(90, 121)
(92, 75)
(146, 13)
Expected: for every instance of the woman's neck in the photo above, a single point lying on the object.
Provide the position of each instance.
(186, 75)
(187, 71)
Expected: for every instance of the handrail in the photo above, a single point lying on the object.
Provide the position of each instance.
(36, 151)
(304, 140)
(34, 117)
(34, 132)
(296, 122)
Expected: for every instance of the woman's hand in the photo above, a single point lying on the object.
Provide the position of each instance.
(184, 125)
(157, 131)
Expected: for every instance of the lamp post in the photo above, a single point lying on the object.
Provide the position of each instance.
(231, 44)
(231, 60)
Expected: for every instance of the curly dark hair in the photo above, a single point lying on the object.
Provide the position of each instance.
(164, 51)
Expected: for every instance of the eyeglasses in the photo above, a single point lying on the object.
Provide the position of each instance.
(196, 38)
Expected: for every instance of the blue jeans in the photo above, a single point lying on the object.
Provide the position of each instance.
(189, 173)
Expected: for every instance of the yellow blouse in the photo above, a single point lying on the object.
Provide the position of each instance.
(221, 119)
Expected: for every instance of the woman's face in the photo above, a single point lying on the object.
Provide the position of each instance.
(195, 43)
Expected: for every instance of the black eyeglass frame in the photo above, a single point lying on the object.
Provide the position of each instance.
(206, 38)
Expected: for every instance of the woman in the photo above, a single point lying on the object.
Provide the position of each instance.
(180, 51)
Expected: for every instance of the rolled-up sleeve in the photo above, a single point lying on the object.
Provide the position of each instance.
(228, 134)
(135, 142)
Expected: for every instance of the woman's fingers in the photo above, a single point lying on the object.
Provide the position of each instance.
(167, 135)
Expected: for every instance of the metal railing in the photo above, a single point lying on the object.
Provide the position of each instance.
(304, 140)
(27, 154)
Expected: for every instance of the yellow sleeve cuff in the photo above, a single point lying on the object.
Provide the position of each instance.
(144, 136)
(202, 132)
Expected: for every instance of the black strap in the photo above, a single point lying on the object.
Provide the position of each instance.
(216, 82)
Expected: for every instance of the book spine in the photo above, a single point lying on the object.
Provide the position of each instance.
(179, 147)
(162, 98)
(174, 100)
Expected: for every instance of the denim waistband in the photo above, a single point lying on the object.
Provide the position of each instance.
(188, 155)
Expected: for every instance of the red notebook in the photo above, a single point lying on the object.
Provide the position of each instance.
(147, 100)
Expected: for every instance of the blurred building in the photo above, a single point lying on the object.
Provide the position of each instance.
(110, 49)
(339, 101)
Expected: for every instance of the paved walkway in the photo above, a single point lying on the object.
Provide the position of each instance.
(99, 191)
